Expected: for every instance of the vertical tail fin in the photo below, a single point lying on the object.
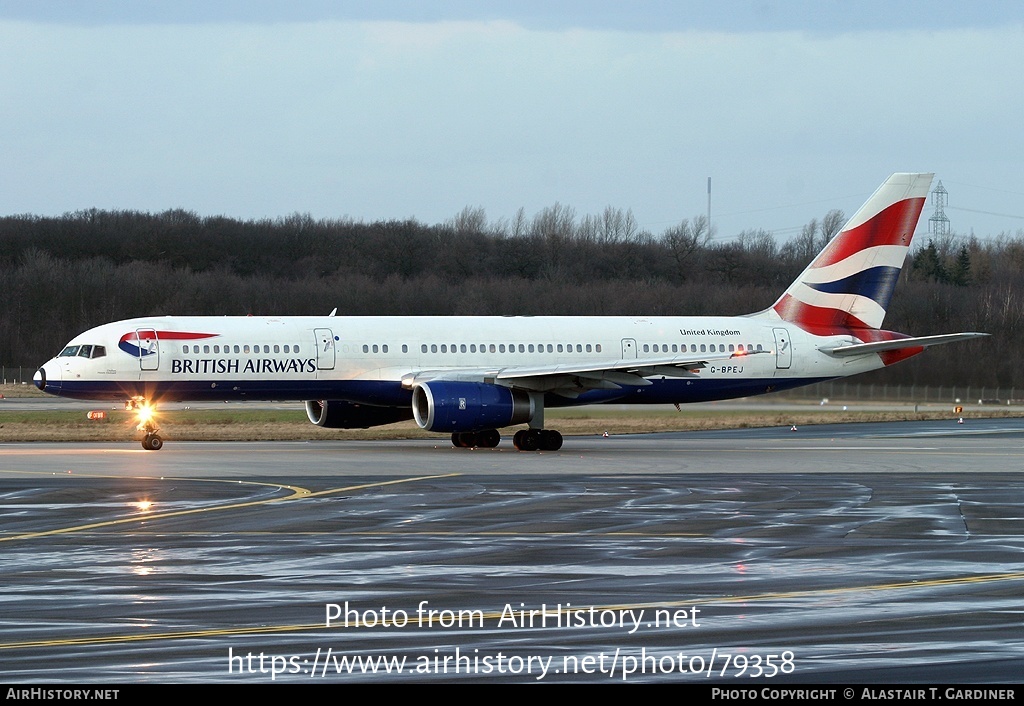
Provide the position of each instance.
(850, 282)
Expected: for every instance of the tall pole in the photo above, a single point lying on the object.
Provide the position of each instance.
(709, 207)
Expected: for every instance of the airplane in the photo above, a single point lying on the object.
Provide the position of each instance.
(471, 376)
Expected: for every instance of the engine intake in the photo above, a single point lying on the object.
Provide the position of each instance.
(469, 406)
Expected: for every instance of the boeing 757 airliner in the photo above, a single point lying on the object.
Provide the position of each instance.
(471, 376)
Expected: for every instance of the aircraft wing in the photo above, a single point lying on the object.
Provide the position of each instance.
(899, 344)
(571, 380)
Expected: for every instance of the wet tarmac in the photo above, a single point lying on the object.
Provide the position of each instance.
(854, 553)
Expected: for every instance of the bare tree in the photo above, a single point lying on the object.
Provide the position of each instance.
(470, 220)
(685, 239)
(831, 224)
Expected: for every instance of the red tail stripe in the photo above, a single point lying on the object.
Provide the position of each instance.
(819, 318)
(894, 225)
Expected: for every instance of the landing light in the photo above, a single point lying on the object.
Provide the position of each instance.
(145, 413)
(144, 505)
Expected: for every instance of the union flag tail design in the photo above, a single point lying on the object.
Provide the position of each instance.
(849, 284)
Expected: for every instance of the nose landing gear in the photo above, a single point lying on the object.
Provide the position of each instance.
(151, 440)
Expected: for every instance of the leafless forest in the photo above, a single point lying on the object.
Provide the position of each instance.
(62, 275)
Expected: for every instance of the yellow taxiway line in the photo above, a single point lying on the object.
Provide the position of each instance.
(296, 494)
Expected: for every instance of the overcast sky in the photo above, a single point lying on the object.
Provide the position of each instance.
(378, 110)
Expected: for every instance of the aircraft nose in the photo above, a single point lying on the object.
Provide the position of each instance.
(47, 380)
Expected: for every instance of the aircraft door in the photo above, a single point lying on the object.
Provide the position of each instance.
(149, 349)
(629, 348)
(325, 348)
(783, 349)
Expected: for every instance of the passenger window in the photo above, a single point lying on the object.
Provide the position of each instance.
(184, 349)
(206, 349)
(384, 348)
(702, 348)
(245, 349)
(645, 348)
(579, 347)
(731, 348)
(530, 348)
(501, 347)
(423, 348)
(462, 348)
(598, 347)
(559, 347)
(375, 349)
(433, 348)
(444, 347)
(366, 348)
(216, 349)
(492, 348)
(588, 348)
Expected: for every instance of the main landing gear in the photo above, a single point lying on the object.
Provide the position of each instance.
(524, 440)
(537, 440)
(146, 412)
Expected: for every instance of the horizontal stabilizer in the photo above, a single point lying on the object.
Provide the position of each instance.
(899, 344)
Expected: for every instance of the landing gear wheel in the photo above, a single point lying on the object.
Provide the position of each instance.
(152, 442)
(527, 439)
(466, 439)
(537, 439)
(488, 438)
(550, 440)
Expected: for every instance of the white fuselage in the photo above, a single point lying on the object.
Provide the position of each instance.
(374, 360)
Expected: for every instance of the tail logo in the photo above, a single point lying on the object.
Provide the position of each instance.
(850, 283)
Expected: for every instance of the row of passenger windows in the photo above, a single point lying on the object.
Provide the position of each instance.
(244, 349)
(703, 348)
(511, 348)
(99, 351)
(492, 348)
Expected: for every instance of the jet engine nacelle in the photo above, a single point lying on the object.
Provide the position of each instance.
(442, 405)
(339, 414)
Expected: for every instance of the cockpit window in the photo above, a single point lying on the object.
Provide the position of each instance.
(85, 351)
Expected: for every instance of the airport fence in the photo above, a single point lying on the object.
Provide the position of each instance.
(953, 394)
(16, 374)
